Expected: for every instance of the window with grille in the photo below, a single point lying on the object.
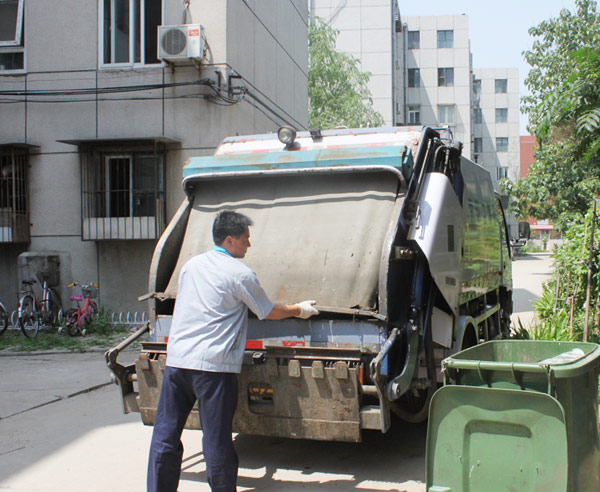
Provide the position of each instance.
(14, 202)
(478, 144)
(501, 144)
(414, 115)
(445, 77)
(501, 86)
(12, 39)
(477, 115)
(123, 195)
(414, 77)
(445, 39)
(129, 31)
(414, 40)
(502, 173)
(501, 115)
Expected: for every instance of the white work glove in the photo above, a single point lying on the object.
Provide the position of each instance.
(307, 309)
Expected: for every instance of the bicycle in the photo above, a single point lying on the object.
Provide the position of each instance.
(33, 313)
(4, 318)
(78, 319)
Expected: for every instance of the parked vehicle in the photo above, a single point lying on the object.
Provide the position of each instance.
(399, 238)
(35, 312)
(78, 319)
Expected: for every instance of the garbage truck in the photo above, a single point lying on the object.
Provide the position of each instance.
(400, 239)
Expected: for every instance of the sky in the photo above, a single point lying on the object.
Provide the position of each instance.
(497, 29)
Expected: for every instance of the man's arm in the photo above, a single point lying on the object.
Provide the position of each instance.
(283, 311)
(304, 309)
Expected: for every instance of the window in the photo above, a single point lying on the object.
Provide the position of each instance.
(502, 173)
(445, 39)
(414, 40)
(446, 115)
(501, 115)
(414, 77)
(477, 115)
(445, 77)
(129, 31)
(12, 46)
(501, 86)
(414, 115)
(501, 144)
(123, 194)
(477, 87)
(14, 205)
(478, 144)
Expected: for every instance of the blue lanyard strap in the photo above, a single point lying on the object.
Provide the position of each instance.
(221, 250)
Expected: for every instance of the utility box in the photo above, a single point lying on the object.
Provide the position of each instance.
(517, 415)
(52, 267)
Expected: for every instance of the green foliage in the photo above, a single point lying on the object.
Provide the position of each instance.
(337, 88)
(559, 186)
(555, 40)
(564, 114)
(561, 308)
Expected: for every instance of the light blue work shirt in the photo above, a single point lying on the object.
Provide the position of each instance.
(208, 329)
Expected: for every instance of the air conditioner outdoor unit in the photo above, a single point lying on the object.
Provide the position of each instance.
(182, 42)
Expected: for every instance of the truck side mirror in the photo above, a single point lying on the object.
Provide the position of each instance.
(524, 230)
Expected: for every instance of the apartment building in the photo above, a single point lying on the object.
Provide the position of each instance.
(496, 132)
(422, 74)
(437, 73)
(95, 127)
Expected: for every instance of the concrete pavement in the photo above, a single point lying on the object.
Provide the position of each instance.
(530, 272)
(57, 435)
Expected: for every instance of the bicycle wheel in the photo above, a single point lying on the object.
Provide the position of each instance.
(4, 317)
(29, 320)
(54, 309)
(92, 313)
(72, 317)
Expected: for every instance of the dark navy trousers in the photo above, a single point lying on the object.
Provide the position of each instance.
(216, 393)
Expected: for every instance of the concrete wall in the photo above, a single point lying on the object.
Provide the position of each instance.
(61, 45)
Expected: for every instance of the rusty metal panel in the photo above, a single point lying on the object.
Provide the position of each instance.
(274, 403)
(314, 236)
(302, 407)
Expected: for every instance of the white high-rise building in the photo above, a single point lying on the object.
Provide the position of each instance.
(422, 74)
(496, 139)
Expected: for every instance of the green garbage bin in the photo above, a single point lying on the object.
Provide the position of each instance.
(516, 415)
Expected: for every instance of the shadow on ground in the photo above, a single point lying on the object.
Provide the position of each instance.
(391, 461)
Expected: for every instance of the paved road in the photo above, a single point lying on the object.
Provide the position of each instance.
(57, 436)
(529, 274)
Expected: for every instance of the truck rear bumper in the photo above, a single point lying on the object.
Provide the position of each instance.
(278, 396)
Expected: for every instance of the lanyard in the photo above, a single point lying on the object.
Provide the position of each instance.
(221, 250)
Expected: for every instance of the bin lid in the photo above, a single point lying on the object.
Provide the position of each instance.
(496, 440)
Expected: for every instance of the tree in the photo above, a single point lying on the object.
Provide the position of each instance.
(555, 40)
(562, 110)
(337, 88)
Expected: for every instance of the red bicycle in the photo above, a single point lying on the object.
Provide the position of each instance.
(78, 319)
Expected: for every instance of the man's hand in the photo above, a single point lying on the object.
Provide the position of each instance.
(307, 309)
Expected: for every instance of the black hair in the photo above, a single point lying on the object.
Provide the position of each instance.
(228, 223)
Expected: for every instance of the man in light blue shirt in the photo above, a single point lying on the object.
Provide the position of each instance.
(205, 352)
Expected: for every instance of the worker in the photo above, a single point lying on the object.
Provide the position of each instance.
(204, 355)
